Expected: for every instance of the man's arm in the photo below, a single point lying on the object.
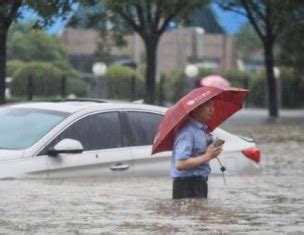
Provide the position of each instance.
(193, 162)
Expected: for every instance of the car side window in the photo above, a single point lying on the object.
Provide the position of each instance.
(97, 131)
(143, 126)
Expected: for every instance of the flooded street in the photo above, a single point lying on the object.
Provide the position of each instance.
(271, 202)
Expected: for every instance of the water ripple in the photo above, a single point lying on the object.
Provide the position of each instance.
(268, 203)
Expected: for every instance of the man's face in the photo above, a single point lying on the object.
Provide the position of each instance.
(205, 111)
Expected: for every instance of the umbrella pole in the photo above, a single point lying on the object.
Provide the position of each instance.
(222, 169)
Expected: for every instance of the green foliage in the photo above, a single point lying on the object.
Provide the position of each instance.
(247, 42)
(46, 12)
(268, 18)
(12, 66)
(292, 90)
(67, 69)
(77, 87)
(50, 10)
(174, 85)
(257, 91)
(237, 78)
(46, 80)
(204, 72)
(291, 45)
(117, 70)
(120, 83)
(28, 44)
(149, 18)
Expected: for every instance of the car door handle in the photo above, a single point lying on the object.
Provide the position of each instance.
(119, 167)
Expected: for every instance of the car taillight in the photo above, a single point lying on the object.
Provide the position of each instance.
(253, 154)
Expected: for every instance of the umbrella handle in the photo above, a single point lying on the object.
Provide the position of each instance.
(222, 169)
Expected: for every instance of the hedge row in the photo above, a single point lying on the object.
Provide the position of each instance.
(120, 82)
(292, 88)
(46, 77)
(47, 80)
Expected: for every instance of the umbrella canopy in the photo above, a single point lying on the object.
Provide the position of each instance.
(226, 102)
(214, 80)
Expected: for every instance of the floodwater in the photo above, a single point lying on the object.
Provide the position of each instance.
(271, 202)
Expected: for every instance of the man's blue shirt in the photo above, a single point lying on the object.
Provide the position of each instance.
(191, 141)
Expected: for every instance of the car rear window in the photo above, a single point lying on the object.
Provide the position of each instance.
(143, 126)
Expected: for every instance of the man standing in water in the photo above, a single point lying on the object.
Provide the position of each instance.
(191, 155)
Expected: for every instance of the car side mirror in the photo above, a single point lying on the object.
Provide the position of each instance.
(66, 146)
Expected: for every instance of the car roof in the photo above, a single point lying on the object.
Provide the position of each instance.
(72, 106)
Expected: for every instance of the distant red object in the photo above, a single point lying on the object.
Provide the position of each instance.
(227, 101)
(215, 81)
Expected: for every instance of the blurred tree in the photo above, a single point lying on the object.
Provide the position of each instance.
(267, 17)
(247, 42)
(205, 18)
(10, 11)
(148, 18)
(28, 44)
(291, 47)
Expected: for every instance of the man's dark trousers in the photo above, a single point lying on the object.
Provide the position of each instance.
(190, 187)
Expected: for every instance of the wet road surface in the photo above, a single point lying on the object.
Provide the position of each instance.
(271, 202)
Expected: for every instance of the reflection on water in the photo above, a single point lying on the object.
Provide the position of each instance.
(271, 202)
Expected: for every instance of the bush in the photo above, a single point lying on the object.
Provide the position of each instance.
(204, 72)
(120, 83)
(173, 85)
(77, 87)
(292, 89)
(257, 91)
(66, 67)
(12, 66)
(237, 78)
(46, 80)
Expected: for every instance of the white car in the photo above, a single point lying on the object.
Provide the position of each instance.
(88, 138)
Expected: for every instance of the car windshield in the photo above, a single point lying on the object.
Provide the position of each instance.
(22, 127)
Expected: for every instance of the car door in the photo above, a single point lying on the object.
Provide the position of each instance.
(104, 153)
(20, 164)
(142, 128)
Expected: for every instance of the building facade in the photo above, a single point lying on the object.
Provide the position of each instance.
(176, 49)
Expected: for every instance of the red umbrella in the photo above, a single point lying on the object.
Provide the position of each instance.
(226, 102)
(215, 80)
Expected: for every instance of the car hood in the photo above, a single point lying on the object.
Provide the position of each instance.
(10, 154)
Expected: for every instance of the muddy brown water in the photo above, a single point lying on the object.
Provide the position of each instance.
(271, 202)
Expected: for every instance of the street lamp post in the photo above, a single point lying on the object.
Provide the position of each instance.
(100, 89)
(8, 82)
(278, 88)
(277, 74)
(197, 45)
(191, 72)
